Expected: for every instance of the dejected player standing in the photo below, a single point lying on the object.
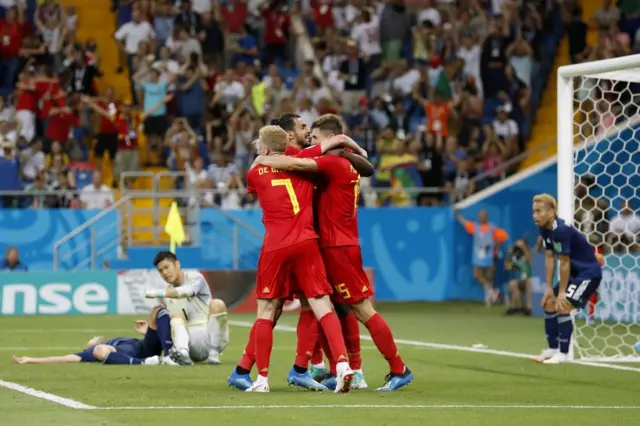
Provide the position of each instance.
(338, 228)
(580, 276)
(290, 259)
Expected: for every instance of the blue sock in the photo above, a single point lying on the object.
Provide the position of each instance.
(565, 329)
(164, 330)
(118, 358)
(551, 329)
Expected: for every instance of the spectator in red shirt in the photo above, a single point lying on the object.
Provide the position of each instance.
(276, 31)
(322, 15)
(234, 15)
(122, 119)
(27, 105)
(50, 94)
(11, 36)
(107, 139)
(62, 120)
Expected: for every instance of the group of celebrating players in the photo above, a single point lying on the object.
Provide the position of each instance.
(307, 183)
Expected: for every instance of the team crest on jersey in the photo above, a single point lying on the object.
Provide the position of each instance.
(557, 247)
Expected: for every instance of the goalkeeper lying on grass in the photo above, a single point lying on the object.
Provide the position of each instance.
(122, 350)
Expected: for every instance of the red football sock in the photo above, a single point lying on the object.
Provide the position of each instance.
(249, 354)
(383, 339)
(307, 332)
(351, 332)
(318, 356)
(333, 332)
(324, 344)
(264, 345)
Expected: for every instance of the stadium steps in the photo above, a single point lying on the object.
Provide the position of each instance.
(545, 127)
(96, 21)
(143, 220)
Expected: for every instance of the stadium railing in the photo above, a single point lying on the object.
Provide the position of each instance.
(76, 241)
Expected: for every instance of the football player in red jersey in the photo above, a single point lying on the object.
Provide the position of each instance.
(290, 260)
(338, 228)
(307, 330)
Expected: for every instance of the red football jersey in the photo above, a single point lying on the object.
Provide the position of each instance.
(287, 206)
(337, 202)
(309, 152)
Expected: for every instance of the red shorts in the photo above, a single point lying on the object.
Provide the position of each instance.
(346, 274)
(290, 270)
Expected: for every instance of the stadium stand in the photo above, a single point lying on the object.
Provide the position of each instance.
(441, 96)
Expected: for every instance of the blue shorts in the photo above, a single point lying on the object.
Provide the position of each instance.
(150, 344)
(143, 348)
(580, 290)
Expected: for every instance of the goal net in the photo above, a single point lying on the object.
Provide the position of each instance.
(599, 192)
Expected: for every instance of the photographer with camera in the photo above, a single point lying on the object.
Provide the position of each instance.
(518, 263)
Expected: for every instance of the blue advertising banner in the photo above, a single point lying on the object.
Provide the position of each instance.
(34, 232)
(409, 249)
(63, 293)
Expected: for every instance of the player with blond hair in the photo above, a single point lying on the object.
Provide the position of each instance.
(580, 276)
(290, 261)
(337, 209)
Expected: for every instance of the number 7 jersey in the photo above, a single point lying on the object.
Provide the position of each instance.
(287, 206)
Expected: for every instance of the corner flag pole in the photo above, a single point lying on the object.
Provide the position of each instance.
(174, 228)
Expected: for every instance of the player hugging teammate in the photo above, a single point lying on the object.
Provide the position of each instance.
(580, 276)
(293, 260)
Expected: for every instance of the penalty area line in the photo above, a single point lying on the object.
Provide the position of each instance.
(67, 402)
(458, 348)
(385, 406)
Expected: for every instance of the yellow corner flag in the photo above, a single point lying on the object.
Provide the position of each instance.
(174, 228)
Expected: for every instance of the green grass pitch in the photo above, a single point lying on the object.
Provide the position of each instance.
(452, 386)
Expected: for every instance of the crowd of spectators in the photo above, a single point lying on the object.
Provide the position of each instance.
(441, 93)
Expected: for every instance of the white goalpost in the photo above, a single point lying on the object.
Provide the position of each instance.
(599, 186)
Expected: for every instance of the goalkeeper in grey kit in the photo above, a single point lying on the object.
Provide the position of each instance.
(199, 324)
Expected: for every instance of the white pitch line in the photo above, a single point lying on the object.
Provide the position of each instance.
(46, 396)
(458, 348)
(414, 343)
(386, 406)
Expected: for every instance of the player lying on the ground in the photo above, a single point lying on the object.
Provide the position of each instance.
(580, 276)
(290, 261)
(121, 350)
(337, 210)
(199, 326)
(298, 137)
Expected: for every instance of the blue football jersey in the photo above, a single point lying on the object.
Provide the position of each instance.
(566, 240)
(115, 342)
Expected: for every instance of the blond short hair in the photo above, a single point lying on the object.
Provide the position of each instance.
(547, 199)
(274, 138)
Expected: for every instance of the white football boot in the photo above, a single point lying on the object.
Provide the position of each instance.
(544, 355)
(558, 358)
(259, 386)
(214, 357)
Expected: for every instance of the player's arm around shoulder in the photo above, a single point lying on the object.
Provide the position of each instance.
(360, 163)
(283, 162)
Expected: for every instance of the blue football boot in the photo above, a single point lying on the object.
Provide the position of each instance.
(304, 380)
(396, 381)
(240, 381)
(330, 382)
